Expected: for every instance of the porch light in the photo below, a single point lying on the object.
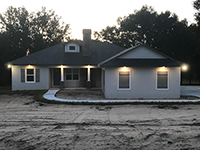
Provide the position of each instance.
(9, 66)
(163, 68)
(184, 67)
(29, 66)
(124, 68)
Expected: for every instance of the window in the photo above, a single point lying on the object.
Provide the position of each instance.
(124, 79)
(162, 80)
(30, 75)
(72, 48)
(72, 74)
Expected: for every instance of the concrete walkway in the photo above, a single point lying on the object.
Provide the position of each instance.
(185, 91)
(190, 90)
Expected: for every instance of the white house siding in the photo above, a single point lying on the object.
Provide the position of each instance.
(18, 85)
(143, 83)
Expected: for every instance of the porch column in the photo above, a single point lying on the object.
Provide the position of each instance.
(62, 73)
(88, 85)
(62, 77)
(88, 73)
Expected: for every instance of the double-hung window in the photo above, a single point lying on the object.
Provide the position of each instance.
(30, 75)
(124, 80)
(162, 80)
(72, 74)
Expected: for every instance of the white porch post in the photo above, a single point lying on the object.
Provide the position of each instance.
(88, 73)
(62, 73)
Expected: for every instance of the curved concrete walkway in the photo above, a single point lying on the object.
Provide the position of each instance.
(185, 91)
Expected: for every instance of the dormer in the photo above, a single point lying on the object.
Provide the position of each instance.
(72, 48)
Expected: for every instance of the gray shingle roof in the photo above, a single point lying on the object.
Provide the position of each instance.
(116, 61)
(56, 55)
(103, 54)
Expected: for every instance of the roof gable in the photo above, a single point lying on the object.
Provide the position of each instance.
(142, 52)
(140, 56)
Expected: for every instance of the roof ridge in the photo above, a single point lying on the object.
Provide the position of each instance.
(119, 54)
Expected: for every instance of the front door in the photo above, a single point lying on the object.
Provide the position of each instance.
(56, 76)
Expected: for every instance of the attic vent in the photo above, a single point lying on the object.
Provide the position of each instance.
(72, 48)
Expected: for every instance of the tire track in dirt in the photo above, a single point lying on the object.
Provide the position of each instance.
(80, 117)
(113, 117)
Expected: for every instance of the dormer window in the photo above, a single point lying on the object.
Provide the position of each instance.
(72, 48)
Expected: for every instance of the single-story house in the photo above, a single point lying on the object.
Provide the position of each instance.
(136, 72)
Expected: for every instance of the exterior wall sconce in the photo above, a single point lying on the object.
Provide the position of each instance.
(124, 68)
(184, 67)
(9, 66)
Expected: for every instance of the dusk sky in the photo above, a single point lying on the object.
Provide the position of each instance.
(96, 14)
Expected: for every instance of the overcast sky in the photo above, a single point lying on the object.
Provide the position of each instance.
(97, 14)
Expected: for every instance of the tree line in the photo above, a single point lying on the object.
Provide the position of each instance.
(21, 31)
(163, 32)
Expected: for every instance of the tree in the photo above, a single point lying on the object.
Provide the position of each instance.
(33, 31)
(15, 29)
(196, 5)
(163, 32)
(20, 31)
(46, 29)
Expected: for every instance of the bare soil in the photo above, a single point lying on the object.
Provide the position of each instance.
(95, 94)
(26, 124)
(80, 94)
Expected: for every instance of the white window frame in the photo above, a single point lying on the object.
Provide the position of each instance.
(129, 80)
(167, 80)
(67, 48)
(34, 74)
(72, 74)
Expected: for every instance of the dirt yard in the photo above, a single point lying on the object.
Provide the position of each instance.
(27, 125)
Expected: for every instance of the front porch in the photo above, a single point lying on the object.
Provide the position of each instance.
(75, 77)
(79, 95)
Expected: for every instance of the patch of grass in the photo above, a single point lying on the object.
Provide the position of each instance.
(37, 94)
(5, 90)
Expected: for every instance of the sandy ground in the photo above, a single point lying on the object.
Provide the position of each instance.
(27, 125)
(96, 94)
(81, 94)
